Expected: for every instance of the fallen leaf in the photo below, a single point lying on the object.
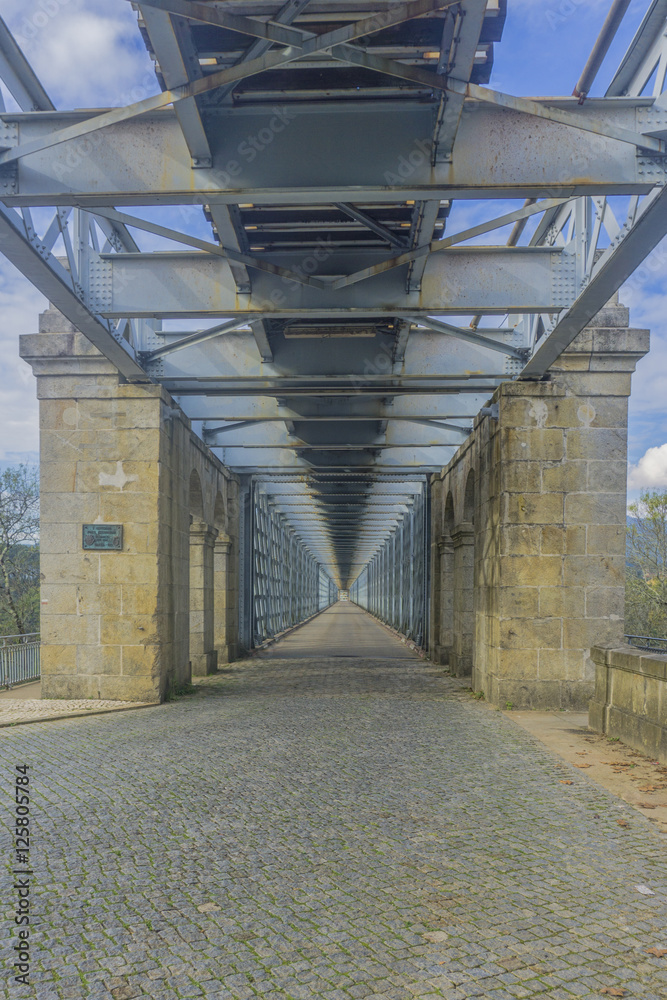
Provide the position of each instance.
(645, 891)
(648, 788)
(583, 765)
(622, 822)
(581, 753)
(612, 992)
(658, 952)
(566, 782)
(208, 908)
(647, 805)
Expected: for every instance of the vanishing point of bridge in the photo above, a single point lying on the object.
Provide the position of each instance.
(275, 367)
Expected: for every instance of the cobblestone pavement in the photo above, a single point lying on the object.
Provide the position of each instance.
(16, 711)
(333, 829)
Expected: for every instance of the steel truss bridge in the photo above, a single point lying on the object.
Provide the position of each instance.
(300, 292)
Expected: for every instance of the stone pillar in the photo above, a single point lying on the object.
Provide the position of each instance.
(436, 529)
(203, 656)
(461, 655)
(446, 550)
(557, 511)
(234, 568)
(224, 643)
(107, 619)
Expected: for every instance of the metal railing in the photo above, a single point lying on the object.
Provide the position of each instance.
(394, 586)
(288, 584)
(19, 659)
(650, 643)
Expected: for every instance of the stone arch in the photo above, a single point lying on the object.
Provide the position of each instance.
(196, 497)
(219, 513)
(449, 518)
(469, 499)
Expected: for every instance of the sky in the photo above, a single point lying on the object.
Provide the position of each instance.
(89, 53)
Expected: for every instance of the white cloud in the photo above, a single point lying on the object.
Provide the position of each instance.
(650, 470)
(19, 424)
(87, 53)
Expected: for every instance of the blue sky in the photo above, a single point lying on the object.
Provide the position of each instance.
(88, 53)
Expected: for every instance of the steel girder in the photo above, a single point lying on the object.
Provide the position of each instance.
(370, 154)
(326, 143)
(466, 280)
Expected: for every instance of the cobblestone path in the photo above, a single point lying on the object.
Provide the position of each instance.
(331, 828)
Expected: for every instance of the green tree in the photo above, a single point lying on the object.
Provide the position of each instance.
(646, 582)
(19, 555)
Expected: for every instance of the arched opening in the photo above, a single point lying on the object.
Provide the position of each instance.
(196, 497)
(469, 499)
(219, 512)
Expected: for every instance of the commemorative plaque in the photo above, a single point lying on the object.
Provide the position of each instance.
(103, 537)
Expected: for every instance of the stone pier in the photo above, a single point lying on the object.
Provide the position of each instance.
(548, 476)
(117, 622)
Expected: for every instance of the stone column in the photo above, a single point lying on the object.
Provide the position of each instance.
(203, 655)
(436, 528)
(222, 594)
(107, 621)
(557, 512)
(234, 499)
(446, 550)
(460, 658)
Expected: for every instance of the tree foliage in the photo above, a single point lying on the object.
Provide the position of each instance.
(646, 583)
(19, 554)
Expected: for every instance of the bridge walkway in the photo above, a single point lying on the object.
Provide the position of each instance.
(343, 629)
(330, 828)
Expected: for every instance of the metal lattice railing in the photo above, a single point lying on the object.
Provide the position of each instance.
(288, 584)
(394, 585)
(19, 659)
(647, 642)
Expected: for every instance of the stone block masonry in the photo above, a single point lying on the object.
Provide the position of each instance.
(544, 485)
(630, 699)
(128, 625)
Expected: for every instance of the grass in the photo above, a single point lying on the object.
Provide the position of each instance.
(180, 691)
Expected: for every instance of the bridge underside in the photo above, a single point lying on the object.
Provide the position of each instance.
(284, 300)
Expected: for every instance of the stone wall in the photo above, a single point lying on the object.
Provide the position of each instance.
(543, 482)
(118, 624)
(630, 699)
